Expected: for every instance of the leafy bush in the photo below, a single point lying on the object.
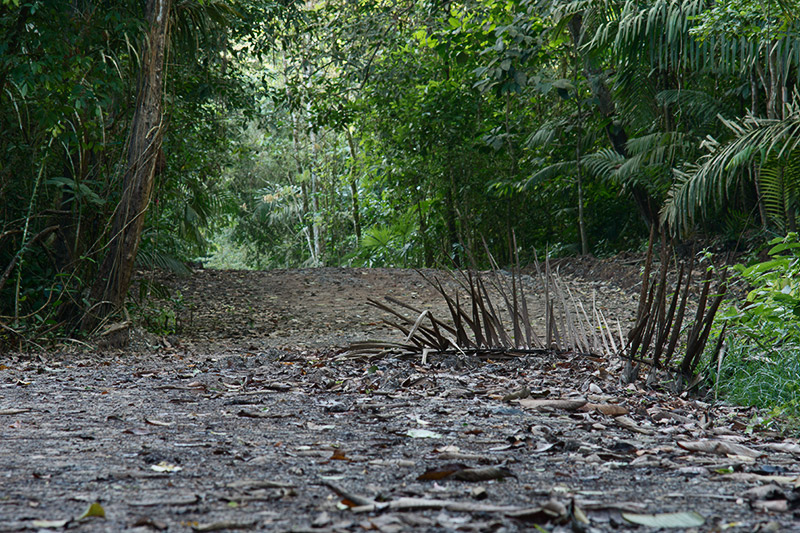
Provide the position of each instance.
(762, 362)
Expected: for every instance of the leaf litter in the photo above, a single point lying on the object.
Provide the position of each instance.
(231, 425)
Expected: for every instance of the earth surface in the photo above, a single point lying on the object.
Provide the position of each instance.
(236, 405)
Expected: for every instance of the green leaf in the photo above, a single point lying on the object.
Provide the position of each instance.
(783, 246)
(94, 509)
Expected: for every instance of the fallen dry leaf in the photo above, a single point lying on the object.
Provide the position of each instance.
(164, 466)
(219, 526)
(154, 422)
(423, 434)
(483, 474)
(628, 423)
(441, 472)
(770, 506)
(540, 404)
(608, 409)
(719, 447)
(13, 411)
(666, 520)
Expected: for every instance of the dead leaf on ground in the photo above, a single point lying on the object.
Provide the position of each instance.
(786, 447)
(520, 394)
(154, 422)
(51, 524)
(608, 409)
(765, 492)
(441, 472)
(551, 512)
(219, 526)
(412, 504)
(666, 520)
(627, 422)
(719, 447)
(146, 521)
(12, 412)
(184, 500)
(423, 434)
(770, 506)
(483, 474)
(164, 466)
(546, 403)
(253, 414)
(339, 455)
(250, 484)
(759, 478)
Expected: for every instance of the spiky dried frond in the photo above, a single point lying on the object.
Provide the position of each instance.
(489, 316)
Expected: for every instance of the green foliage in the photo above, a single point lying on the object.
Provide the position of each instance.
(158, 308)
(68, 81)
(763, 333)
(759, 144)
(375, 133)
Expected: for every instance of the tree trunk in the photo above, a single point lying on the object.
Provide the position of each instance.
(316, 225)
(578, 162)
(423, 231)
(354, 187)
(114, 276)
(616, 134)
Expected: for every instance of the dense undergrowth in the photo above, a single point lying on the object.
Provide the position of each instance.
(760, 364)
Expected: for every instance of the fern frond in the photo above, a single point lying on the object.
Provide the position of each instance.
(758, 142)
(149, 259)
(603, 163)
(549, 172)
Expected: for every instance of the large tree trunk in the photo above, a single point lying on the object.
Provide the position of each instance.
(114, 277)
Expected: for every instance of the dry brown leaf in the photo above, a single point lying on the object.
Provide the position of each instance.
(253, 414)
(552, 511)
(430, 503)
(765, 492)
(483, 474)
(185, 500)
(719, 447)
(520, 394)
(608, 409)
(13, 411)
(759, 478)
(219, 526)
(441, 472)
(771, 506)
(338, 455)
(154, 422)
(546, 403)
(786, 447)
(251, 484)
(628, 423)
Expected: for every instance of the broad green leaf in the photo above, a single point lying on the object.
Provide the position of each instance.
(94, 509)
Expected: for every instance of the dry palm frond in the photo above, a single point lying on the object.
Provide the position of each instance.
(654, 339)
(489, 316)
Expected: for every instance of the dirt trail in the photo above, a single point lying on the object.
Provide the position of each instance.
(327, 307)
(246, 420)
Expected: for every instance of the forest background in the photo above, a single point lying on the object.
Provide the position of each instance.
(277, 134)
